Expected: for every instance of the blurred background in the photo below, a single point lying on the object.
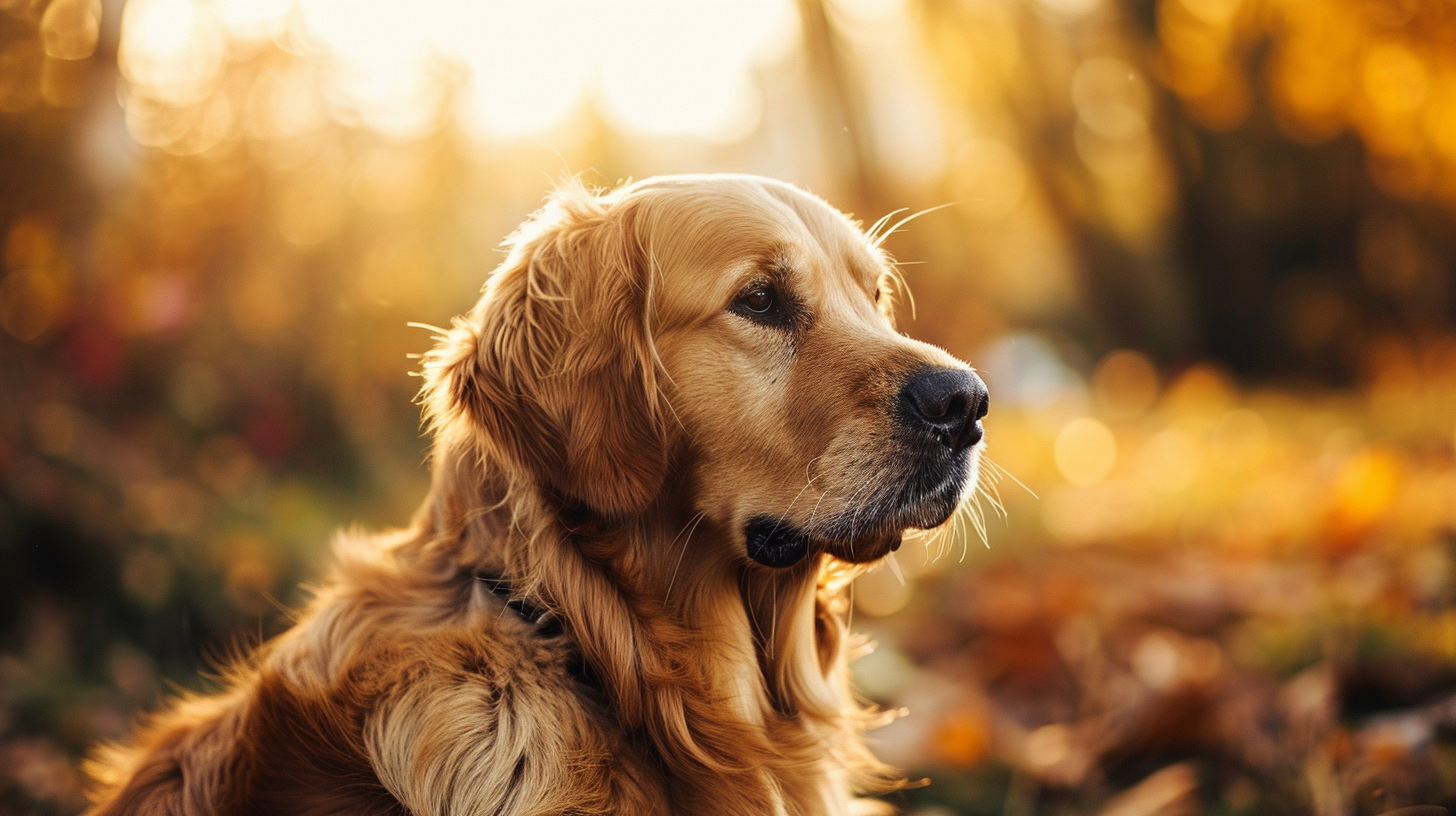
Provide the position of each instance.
(1202, 251)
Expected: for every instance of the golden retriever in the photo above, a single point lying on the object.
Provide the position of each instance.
(677, 423)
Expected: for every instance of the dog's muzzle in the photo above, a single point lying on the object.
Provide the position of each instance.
(937, 416)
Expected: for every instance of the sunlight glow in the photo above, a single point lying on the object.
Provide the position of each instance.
(253, 20)
(682, 66)
(173, 48)
(515, 67)
(653, 66)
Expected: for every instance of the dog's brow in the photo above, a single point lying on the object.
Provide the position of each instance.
(780, 265)
(867, 271)
(771, 266)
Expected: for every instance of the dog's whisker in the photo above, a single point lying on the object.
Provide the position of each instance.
(873, 232)
(815, 511)
(855, 511)
(790, 506)
(880, 239)
(948, 540)
(1002, 471)
(992, 491)
(978, 520)
(439, 333)
(947, 533)
(984, 486)
(773, 615)
(809, 468)
(950, 533)
(895, 568)
(927, 540)
(858, 510)
(693, 523)
(965, 521)
(901, 285)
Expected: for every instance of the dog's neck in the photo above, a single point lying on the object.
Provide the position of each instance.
(729, 668)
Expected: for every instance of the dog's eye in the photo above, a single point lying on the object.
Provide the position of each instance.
(759, 301)
(765, 305)
(878, 292)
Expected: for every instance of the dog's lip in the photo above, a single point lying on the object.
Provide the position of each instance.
(779, 544)
(865, 549)
(774, 542)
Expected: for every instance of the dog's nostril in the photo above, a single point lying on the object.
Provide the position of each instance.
(947, 401)
(972, 435)
(954, 407)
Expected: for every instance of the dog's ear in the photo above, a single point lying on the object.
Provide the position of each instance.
(554, 371)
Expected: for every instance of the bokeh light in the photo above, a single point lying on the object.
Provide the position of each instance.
(1085, 451)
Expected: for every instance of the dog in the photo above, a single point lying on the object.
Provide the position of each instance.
(676, 424)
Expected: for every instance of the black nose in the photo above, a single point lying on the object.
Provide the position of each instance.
(947, 401)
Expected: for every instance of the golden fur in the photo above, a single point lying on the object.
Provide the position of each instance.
(603, 428)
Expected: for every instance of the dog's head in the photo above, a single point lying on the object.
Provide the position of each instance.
(731, 331)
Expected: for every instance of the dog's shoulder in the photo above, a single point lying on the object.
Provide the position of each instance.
(456, 690)
(419, 686)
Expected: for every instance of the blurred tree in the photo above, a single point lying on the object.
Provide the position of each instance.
(1318, 173)
(1248, 179)
(1069, 89)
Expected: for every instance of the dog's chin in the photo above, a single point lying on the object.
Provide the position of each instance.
(776, 542)
(865, 549)
(780, 545)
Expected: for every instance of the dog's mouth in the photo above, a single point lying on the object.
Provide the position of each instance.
(926, 497)
(856, 537)
(776, 543)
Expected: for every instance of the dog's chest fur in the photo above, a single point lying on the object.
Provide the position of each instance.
(481, 708)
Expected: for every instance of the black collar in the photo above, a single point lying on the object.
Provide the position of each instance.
(546, 623)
